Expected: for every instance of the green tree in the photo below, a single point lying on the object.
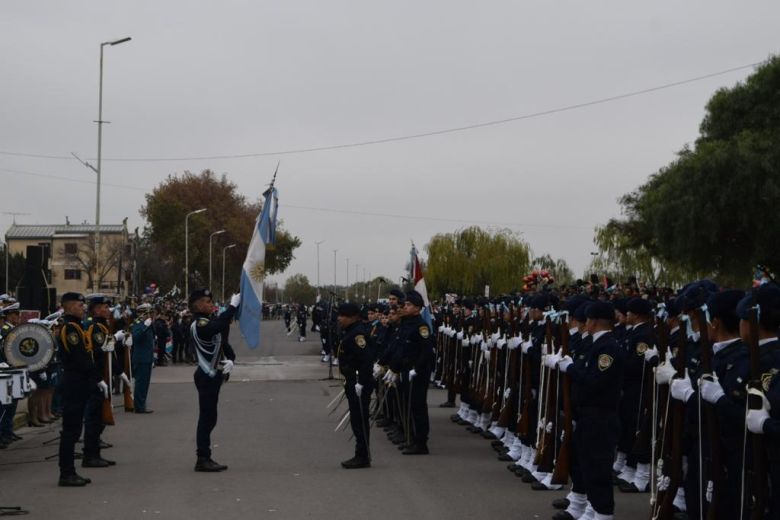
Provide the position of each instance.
(715, 208)
(15, 270)
(165, 209)
(297, 289)
(559, 269)
(466, 261)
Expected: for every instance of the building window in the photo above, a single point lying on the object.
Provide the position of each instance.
(73, 274)
(71, 248)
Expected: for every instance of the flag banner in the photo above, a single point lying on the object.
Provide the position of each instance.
(418, 280)
(253, 272)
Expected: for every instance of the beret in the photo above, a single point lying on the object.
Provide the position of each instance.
(349, 309)
(639, 306)
(415, 298)
(468, 303)
(197, 294)
(766, 296)
(600, 310)
(724, 304)
(72, 297)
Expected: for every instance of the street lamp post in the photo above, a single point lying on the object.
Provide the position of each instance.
(318, 265)
(222, 300)
(99, 158)
(187, 249)
(211, 236)
(346, 284)
(334, 270)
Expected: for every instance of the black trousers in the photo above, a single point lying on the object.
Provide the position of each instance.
(93, 424)
(595, 438)
(75, 393)
(419, 407)
(208, 397)
(358, 416)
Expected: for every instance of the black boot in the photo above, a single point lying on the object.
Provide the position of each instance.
(207, 465)
(73, 481)
(561, 503)
(356, 463)
(96, 462)
(416, 449)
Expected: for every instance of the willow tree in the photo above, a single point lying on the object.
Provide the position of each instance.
(466, 261)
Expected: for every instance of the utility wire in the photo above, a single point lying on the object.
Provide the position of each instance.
(408, 137)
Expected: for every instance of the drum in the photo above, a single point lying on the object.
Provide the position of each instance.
(29, 346)
(6, 381)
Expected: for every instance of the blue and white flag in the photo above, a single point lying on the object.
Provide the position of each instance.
(253, 272)
(419, 285)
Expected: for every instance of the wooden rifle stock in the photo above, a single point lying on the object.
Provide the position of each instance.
(563, 460)
(107, 411)
(127, 392)
(524, 419)
(545, 452)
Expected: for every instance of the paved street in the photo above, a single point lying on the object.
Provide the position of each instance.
(278, 440)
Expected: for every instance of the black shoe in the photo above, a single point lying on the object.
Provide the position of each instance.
(563, 515)
(207, 465)
(538, 486)
(528, 478)
(95, 462)
(447, 404)
(416, 449)
(73, 481)
(561, 503)
(105, 445)
(488, 435)
(455, 418)
(631, 488)
(356, 463)
(144, 411)
(497, 444)
(16, 437)
(504, 457)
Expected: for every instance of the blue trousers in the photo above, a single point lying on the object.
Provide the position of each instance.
(143, 375)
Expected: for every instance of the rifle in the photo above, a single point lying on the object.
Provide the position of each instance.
(760, 478)
(659, 416)
(545, 451)
(666, 496)
(563, 460)
(126, 391)
(501, 389)
(715, 462)
(644, 424)
(107, 410)
(524, 406)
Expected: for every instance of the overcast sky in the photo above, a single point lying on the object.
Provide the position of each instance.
(204, 78)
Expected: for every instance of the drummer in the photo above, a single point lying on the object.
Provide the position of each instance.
(7, 436)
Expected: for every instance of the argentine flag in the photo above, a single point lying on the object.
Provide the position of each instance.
(419, 285)
(253, 272)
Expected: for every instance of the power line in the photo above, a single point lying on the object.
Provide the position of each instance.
(408, 137)
(69, 179)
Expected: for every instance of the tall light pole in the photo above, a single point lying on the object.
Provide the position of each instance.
(99, 158)
(187, 249)
(334, 270)
(211, 236)
(222, 300)
(318, 265)
(346, 284)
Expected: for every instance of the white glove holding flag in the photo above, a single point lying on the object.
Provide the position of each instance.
(651, 354)
(755, 419)
(235, 300)
(681, 388)
(103, 388)
(227, 366)
(710, 389)
(565, 363)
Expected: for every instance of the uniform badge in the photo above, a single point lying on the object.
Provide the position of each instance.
(99, 338)
(766, 379)
(360, 341)
(605, 361)
(202, 322)
(641, 348)
(424, 332)
(73, 338)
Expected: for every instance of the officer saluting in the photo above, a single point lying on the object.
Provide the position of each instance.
(206, 333)
(81, 379)
(355, 363)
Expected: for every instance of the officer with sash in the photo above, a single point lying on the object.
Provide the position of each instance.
(215, 362)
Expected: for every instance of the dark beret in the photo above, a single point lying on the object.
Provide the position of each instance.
(673, 307)
(766, 296)
(197, 294)
(415, 298)
(723, 305)
(573, 303)
(579, 312)
(600, 310)
(349, 309)
(695, 294)
(538, 302)
(639, 306)
(621, 305)
(398, 294)
(468, 303)
(72, 297)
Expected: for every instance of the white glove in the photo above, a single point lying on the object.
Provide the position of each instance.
(412, 373)
(378, 371)
(108, 347)
(44, 376)
(227, 366)
(708, 494)
(33, 386)
(126, 380)
(235, 300)
(681, 388)
(147, 322)
(459, 335)
(665, 371)
(551, 360)
(103, 388)
(651, 354)
(119, 336)
(565, 363)
(358, 389)
(391, 377)
(129, 340)
(755, 418)
(4, 365)
(526, 345)
(487, 355)
(507, 393)
(710, 389)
